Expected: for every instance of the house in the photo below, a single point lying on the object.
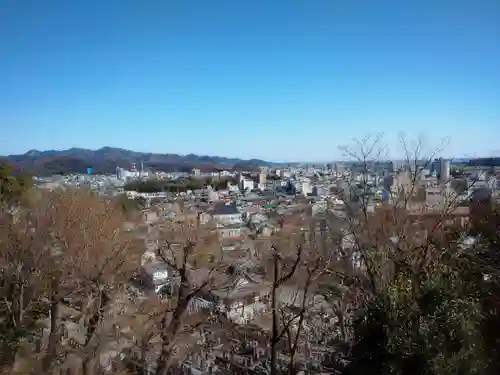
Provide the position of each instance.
(319, 207)
(256, 219)
(148, 256)
(150, 216)
(233, 231)
(236, 250)
(261, 224)
(228, 221)
(227, 214)
(154, 276)
(205, 218)
(242, 298)
(230, 244)
(245, 296)
(267, 229)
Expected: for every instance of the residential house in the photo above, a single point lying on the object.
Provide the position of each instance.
(319, 207)
(227, 214)
(154, 276)
(150, 216)
(233, 231)
(228, 221)
(256, 219)
(242, 298)
(267, 229)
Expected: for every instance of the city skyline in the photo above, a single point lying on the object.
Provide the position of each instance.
(276, 81)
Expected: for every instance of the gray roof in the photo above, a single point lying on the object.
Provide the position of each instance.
(232, 291)
(225, 209)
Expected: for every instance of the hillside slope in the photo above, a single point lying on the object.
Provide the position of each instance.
(106, 159)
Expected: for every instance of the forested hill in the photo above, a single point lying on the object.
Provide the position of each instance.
(106, 159)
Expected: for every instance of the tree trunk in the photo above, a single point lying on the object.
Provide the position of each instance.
(8, 352)
(274, 338)
(343, 331)
(53, 335)
(168, 336)
(88, 366)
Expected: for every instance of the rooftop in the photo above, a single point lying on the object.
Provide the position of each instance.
(225, 209)
(151, 268)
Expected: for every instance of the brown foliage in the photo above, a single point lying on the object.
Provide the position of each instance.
(66, 257)
(184, 249)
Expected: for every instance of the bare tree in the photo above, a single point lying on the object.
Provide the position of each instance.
(279, 278)
(183, 245)
(390, 224)
(71, 254)
(294, 263)
(404, 237)
(23, 288)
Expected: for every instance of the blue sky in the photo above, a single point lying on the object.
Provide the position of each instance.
(280, 80)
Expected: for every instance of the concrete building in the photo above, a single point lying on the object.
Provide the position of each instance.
(306, 188)
(247, 184)
(121, 173)
(262, 178)
(436, 166)
(231, 187)
(444, 175)
(213, 196)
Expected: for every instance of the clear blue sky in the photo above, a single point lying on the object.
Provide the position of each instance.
(280, 80)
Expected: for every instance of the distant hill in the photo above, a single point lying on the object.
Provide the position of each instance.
(106, 159)
(485, 162)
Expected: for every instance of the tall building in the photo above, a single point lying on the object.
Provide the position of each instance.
(436, 167)
(121, 173)
(262, 178)
(444, 173)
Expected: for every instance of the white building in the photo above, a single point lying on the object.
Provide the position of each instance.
(248, 184)
(306, 188)
(213, 196)
(154, 276)
(227, 214)
(231, 187)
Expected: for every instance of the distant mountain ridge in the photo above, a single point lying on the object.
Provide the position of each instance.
(106, 159)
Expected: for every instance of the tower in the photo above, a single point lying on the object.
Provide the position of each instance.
(444, 175)
(262, 178)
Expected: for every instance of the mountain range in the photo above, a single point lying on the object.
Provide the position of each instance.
(106, 159)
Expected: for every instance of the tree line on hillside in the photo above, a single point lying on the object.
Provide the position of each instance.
(485, 162)
(177, 186)
(50, 165)
(365, 293)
